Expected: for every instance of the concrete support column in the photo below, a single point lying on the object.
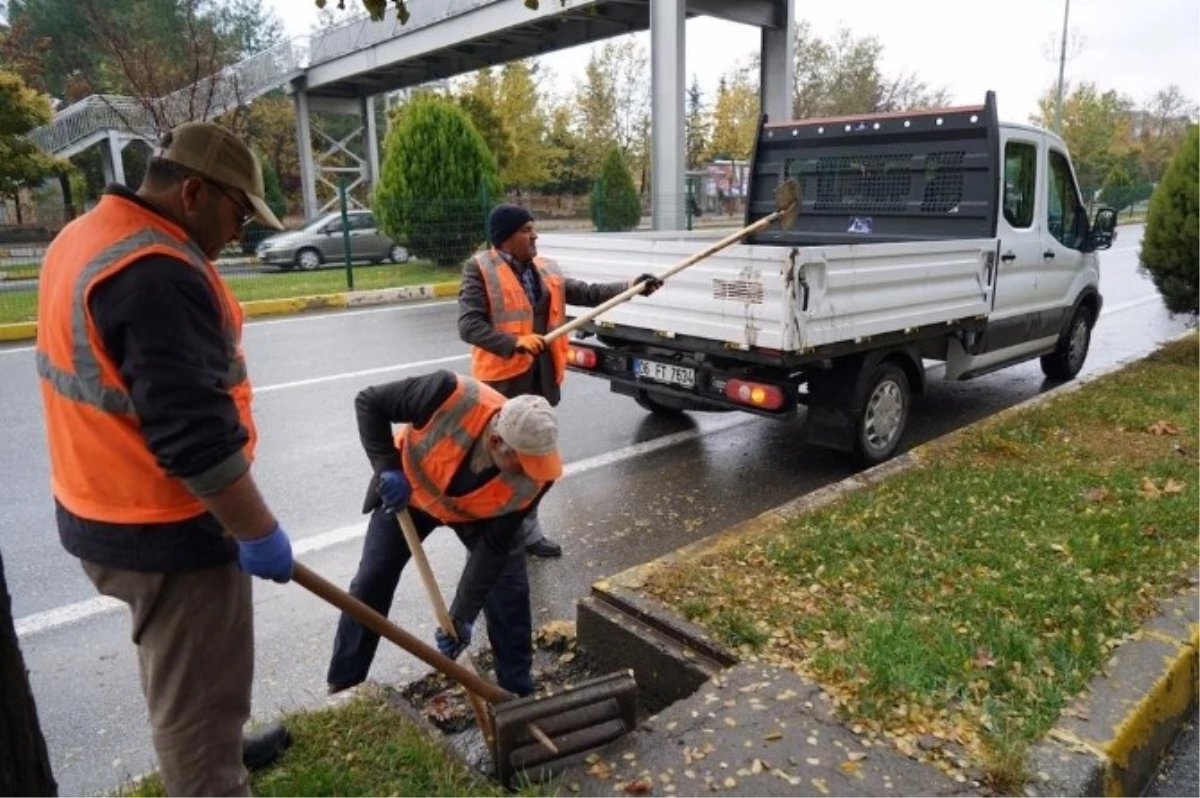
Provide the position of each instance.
(371, 141)
(668, 88)
(308, 179)
(110, 159)
(776, 78)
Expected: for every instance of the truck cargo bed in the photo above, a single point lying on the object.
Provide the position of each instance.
(790, 299)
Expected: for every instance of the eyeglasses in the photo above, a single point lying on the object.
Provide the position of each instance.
(246, 214)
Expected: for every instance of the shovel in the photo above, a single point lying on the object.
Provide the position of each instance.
(586, 716)
(787, 207)
(447, 623)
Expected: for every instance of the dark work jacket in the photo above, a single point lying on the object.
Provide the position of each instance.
(413, 401)
(475, 326)
(161, 324)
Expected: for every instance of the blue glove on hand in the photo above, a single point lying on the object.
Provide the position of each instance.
(269, 557)
(448, 645)
(394, 489)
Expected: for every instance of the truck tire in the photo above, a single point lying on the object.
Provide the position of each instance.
(654, 406)
(1067, 358)
(880, 422)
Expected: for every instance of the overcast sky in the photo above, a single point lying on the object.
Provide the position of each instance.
(968, 46)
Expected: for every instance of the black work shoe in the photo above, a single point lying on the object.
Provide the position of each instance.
(544, 548)
(333, 688)
(263, 747)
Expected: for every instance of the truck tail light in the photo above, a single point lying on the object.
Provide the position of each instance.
(581, 356)
(754, 394)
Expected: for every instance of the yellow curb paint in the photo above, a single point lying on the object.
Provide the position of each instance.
(1171, 696)
(272, 307)
(22, 331)
(445, 289)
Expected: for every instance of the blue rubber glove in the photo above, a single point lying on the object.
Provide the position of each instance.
(269, 557)
(394, 489)
(448, 645)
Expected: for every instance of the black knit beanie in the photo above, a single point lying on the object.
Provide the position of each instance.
(504, 220)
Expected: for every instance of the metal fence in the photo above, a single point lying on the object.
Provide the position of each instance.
(448, 236)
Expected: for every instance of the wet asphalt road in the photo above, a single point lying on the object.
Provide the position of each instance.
(636, 487)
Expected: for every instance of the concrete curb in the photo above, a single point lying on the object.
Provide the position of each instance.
(1110, 745)
(27, 330)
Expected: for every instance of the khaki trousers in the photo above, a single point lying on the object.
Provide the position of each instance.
(194, 633)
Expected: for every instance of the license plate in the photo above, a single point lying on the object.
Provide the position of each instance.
(665, 372)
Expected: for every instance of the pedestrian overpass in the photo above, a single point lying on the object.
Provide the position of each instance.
(341, 69)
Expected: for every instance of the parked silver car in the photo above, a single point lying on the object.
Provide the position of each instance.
(320, 241)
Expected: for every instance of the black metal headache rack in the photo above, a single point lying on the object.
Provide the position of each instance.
(909, 176)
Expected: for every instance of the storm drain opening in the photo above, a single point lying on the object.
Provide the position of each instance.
(669, 658)
(559, 664)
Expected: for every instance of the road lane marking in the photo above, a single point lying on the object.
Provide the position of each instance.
(65, 615)
(69, 614)
(341, 314)
(348, 375)
(1133, 303)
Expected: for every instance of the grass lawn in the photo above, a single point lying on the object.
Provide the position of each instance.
(364, 747)
(16, 306)
(19, 271)
(332, 281)
(973, 597)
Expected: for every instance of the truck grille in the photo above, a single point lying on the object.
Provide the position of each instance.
(748, 291)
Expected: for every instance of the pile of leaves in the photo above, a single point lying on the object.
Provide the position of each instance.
(557, 663)
(966, 603)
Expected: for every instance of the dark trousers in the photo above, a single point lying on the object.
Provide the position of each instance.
(385, 553)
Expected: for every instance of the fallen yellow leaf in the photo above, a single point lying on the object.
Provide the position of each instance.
(637, 786)
(1163, 428)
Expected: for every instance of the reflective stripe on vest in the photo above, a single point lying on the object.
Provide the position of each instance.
(450, 435)
(511, 311)
(100, 465)
(84, 384)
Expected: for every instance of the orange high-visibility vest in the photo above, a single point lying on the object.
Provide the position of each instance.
(512, 313)
(100, 465)
(432, 455)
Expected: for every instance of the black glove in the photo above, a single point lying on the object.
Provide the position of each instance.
(651, 283)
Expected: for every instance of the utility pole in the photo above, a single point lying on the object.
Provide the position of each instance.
(1062, 62)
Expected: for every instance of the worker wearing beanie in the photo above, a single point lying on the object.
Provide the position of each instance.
(509, 298)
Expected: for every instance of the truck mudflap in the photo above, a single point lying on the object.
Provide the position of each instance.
(679, 381)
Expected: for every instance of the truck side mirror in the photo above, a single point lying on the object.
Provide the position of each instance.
(1104, 229)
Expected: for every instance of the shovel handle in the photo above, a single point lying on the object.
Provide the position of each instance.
(417, 551)
(634, 290)
(323, 588)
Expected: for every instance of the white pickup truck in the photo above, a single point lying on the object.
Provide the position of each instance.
(925, 236)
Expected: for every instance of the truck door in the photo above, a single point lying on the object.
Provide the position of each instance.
(1066, 231)
(1020, 233)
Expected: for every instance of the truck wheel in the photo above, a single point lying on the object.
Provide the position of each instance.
(1067, 358)
(884, 414)
(654, 406)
